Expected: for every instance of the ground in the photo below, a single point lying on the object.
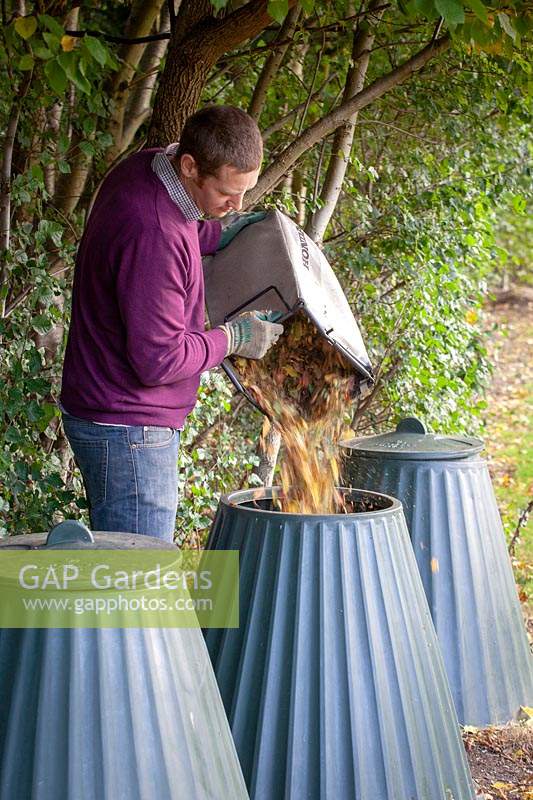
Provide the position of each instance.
(501, 758)
(509, 424)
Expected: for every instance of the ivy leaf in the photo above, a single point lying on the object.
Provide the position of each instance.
(308, 6)
(88, 125)
(479, 10)
(26, 26)
(96, 49)
(48, 412)
(68, 63)
(33, 411)
(41, 324)
(105, 139)
(278, 9)
(26, 62)
(56, 76)
(34, 361)
(63, 143)
(218, 5)
(37, 172)
(42, 52)
(87, 148)
(426, 8)
(13, 435)
(52, 25)
(81, 82)
(452, 11)
(52, 41)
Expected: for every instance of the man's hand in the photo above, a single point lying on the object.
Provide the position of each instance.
(252, 334)
(239, 222)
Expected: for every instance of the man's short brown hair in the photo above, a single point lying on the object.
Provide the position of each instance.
(220, 135)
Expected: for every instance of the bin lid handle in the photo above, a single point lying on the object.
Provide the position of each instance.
(410, 425)
(69, 532)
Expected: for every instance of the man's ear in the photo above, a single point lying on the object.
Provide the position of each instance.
(187, 166)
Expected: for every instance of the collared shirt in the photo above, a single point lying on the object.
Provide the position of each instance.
(162, 166)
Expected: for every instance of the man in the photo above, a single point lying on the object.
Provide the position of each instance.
(137, 341)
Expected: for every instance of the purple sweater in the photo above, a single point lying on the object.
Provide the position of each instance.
(137, 341)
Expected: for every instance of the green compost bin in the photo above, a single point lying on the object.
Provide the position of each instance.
(333, 683)
(459, 545)
(114, 713)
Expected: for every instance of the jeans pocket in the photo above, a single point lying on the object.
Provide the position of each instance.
(92, 459)
(157, 436)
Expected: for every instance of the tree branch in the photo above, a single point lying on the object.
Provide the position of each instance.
(342, 114)
(5, 179)
(138, 107)
(140, 22)
(243, 23)
(363, 39)
(107, 37)
(273, 63)
(403, 131)
(279, 123)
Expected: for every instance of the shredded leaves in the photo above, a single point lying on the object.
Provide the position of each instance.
(305, 386)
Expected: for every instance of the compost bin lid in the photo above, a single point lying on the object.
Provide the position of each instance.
(73, 535)
(410, 441)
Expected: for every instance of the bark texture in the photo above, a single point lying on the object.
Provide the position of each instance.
(140, 23)
(199, 39)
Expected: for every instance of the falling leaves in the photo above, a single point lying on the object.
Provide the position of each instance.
(304, 385)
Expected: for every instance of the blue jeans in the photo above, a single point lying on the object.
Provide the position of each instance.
(130, 475)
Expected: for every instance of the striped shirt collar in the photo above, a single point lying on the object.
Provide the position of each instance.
(162, 166)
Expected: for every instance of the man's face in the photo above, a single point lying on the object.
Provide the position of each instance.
(216, 195)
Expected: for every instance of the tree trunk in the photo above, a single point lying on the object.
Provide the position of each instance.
(139, 103)
(5, 183)
(53, 117)
(199, 39)
(70, 185)
(140, 23)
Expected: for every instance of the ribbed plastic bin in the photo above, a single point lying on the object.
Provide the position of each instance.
(111, 714)
(333, 683)
(460, 549)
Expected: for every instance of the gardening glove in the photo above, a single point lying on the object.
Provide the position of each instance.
(252, 334)
(237, 223)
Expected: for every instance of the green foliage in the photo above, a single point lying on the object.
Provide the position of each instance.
(433, 210)
(34, 488)
(216, 456)
(278, 9)
(65, 59)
